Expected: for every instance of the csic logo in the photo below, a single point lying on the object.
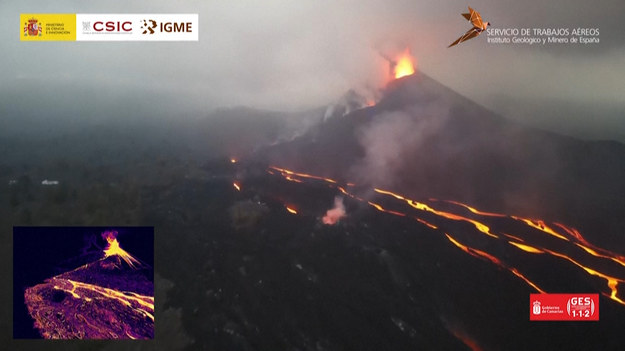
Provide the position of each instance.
(96, 25)
(149, 26)
(32, 28)
(112, 26)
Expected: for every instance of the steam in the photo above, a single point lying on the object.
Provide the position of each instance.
(354, 99)
(109, 235)
(393, 140)
(334, 214)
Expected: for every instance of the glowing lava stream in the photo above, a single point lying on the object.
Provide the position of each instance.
(288, 175)
(140, 303)
(481, 254)
(590, 248)
(423, 207)
(580, 246)
(476, 211)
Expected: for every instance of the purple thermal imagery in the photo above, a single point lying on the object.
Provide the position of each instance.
(110, 298)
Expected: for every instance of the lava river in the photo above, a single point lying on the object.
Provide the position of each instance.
(517, 239)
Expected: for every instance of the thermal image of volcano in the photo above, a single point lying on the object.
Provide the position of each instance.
(109, 298)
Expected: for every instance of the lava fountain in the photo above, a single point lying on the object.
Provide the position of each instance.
(405, 65)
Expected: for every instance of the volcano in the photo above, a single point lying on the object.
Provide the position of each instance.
(441, 218)
(427, 141)
(451, 217)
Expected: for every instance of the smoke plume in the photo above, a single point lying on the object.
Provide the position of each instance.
(334, 214)
(393, 140)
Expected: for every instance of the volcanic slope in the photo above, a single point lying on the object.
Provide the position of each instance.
(424, 140)
(104, 299)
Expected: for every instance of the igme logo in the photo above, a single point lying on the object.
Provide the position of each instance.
(148, 27)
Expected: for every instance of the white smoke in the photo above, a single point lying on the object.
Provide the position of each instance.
(334, 214)
(393, 139)
(354, 99)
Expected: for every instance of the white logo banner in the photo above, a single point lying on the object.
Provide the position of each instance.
(137, 27)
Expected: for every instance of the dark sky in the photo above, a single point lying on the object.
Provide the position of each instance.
(293, 55)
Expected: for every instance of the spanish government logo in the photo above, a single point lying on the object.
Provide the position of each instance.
(47, 26)
(32, 28)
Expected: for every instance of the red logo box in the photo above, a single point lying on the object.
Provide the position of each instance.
(564, 307)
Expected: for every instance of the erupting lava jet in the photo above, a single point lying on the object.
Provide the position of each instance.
(478, 26)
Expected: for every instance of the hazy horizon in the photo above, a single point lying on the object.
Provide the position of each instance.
(287, 56)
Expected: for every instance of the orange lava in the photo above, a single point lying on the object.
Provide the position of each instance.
(525, 248)
(423, 207)
(495, 260)
(287, 174)
(476, 211)
(405, 65)
(540, 225)
(593, 260)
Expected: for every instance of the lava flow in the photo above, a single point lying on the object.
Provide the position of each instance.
(529, 236)
(141, 304)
